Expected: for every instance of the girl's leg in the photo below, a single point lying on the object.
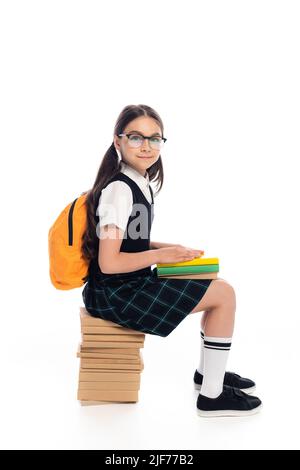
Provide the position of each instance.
(201, 362)
(218, 322)
(203, 320)
(217, 304)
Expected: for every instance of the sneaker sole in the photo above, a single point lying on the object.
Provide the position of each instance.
(232, 413)
(246, 390)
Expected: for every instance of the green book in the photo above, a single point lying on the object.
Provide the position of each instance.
(208, 268)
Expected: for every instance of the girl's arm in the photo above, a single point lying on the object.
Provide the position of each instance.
(111, 260)
(156, 245)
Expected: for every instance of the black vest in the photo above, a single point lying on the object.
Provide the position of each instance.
(132, 242)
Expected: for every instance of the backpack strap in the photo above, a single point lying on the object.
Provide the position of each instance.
(70, 222)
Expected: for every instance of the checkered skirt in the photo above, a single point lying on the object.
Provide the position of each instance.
(145, 303)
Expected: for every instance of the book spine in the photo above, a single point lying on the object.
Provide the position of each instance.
(193, 262)
(213, 268)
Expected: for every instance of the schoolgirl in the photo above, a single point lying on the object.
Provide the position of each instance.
(122, 286)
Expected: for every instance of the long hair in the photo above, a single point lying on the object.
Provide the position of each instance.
(109, 167)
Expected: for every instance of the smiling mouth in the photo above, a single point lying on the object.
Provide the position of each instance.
(143, 157)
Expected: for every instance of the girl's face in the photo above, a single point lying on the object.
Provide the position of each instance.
(142, 157)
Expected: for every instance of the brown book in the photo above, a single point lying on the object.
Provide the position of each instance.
(91, 370)
(87, 320)
(105, 360)
(132, 352)
(108, 395)
(129, 338)
(111, 344)
(108, 386)
(110, 357)
(104, 376)
(192, 276)
(101, 366)
(97, 360)
(110, 360)
(92, 403)
(110, 330)
(97, 363)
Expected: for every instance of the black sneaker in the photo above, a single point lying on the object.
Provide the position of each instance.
(231, 402)
(231, 379)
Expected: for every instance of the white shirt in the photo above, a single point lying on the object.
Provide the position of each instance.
(115, 202)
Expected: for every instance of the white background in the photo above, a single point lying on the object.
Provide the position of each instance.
(224, 76)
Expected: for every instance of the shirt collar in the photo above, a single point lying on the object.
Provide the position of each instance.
(141, 181)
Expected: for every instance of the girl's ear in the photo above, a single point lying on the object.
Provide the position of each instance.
(116, 143)
(119, 154)
(116, 147)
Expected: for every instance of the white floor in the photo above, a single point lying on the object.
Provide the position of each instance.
(40, 373)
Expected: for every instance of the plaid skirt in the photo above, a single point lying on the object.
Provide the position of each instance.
(145, 303)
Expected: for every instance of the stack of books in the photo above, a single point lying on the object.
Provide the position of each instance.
(198, 268)
(111, 361)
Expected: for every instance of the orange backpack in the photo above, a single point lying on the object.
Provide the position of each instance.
(68, 268)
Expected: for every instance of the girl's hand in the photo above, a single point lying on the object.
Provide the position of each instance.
(177, 254)
(201, 252)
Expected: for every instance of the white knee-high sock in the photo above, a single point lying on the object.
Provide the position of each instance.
(201, 363)
(216, 351)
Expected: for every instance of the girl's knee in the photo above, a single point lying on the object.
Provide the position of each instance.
(225, 292)
(219, 294)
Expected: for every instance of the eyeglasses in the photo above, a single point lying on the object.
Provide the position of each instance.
(136, 140)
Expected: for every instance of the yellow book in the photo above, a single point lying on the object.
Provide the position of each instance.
(194, 262)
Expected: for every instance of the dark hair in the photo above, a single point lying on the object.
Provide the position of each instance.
(109, 167)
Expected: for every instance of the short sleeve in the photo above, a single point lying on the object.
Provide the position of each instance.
(115, 205)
